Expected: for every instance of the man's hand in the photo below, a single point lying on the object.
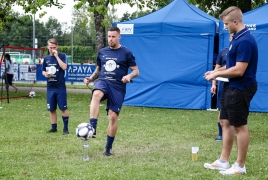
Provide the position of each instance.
(208, 72)
(213, 89)
(55, 53)
(126, 79)
(87, 80)
(210, 75)
(47, 75)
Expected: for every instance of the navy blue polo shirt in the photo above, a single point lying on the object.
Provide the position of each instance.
(114, 64)
(57, 80)
(222, 57)
(243, 48)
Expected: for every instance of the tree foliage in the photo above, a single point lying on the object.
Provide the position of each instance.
(92, 18)
(29, 6)
(21, 35)
(126, 16)
(215, 7)
(100, 13)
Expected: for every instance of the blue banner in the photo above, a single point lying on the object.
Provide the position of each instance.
(77, 73)
(30, 72)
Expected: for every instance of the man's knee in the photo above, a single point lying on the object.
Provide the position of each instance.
(224, 122)
(113, 116)
(97, 95)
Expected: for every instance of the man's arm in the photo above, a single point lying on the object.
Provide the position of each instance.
(221, 68)
(214, 82)
(62, 64)
(93, 77)
(96, 74)
(235, 71)
(134, 73)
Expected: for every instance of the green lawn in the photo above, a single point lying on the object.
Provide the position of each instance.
(151, 143)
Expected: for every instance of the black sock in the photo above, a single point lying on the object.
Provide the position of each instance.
(54, 126)
(220, 129)
(109, 143)
(94, 123)
(65, 122)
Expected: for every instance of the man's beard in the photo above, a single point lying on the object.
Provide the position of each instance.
(112, 45)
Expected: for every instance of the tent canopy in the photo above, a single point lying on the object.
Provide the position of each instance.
(176, 18)
(173, 48)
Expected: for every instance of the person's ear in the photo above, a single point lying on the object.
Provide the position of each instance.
(235, 22)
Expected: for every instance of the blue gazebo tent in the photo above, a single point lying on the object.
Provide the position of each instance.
(173, 48)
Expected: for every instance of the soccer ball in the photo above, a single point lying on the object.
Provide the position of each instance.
(32, 94)
(84, 131)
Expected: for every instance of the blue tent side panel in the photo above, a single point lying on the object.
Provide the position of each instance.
(170, 76)
(260, 100)
(258, 27)
(173, 48)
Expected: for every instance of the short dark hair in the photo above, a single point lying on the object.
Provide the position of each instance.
(7, 56)
(114, 28)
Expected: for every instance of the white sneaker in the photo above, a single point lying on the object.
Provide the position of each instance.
(234, 170)
(217, 165)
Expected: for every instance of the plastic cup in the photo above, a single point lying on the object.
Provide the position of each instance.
(195, 153)
(49, 72)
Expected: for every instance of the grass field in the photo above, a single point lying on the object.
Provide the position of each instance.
(151, 144)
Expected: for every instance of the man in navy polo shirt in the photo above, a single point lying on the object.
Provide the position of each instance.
(54, 66)
(113, 63)
(241, 68)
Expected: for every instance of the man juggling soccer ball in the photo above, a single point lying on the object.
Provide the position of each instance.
(113, 63)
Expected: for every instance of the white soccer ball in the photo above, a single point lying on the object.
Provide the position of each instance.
(84, 131)
(32, 94)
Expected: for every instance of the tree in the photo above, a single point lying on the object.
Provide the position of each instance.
(111, 16)
(29, 6)
(21, 35)
(84, 30)
(215, 7)
(126, 16)
(54, 27)
(100, 10)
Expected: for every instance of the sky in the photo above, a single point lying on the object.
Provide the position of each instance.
(65, 14)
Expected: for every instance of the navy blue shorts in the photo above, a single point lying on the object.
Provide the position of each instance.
(235, 104)
(56, 97)
(114, 97)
